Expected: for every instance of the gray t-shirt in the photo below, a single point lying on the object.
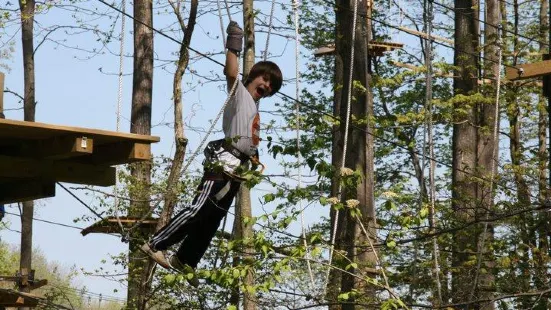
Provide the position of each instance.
(241, 121)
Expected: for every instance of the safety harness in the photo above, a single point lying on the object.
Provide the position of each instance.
(216, 172)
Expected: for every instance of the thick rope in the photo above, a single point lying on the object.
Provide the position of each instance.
(119, 105)
(494, 159)
(221, 24)
(345, 142)
(221, 112)
(432, 167)
(270, 31)
(297, 120)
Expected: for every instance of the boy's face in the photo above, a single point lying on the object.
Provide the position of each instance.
(259, 88)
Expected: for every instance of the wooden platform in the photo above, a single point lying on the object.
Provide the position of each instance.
(529, 70)
(12, 298)
(375, 48)
(33, 156)
(111, 225)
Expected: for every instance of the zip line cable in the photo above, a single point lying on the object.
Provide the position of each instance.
(81, 202)
(48, 222)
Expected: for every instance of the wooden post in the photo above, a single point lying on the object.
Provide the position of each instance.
(2, 95)
(2, 210)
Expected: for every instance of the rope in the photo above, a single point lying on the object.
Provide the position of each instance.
(494, 159)
(119, 105)
(432, 167)
(270, 31)
(221, 112)
(221, 24)
(297, 120)
(346, 125)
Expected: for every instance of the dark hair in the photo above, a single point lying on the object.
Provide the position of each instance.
(268, 70)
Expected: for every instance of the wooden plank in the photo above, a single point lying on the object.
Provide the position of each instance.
(37, 284)
(11, 298)
(118, 153)
(375, 48)
(26, 190)
(35, 130)
(53, 148)
(66, 147)
(526, 71)
(24, 168)
(426, 36)
(14, 168)
(77, 173)
(110, 225)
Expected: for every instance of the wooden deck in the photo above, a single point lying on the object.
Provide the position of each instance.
(12, 298)
(375, 48)
(110, 225)
(34, 156)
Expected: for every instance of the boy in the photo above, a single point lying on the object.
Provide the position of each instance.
(197, 224)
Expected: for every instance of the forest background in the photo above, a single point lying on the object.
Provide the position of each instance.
(442, 201)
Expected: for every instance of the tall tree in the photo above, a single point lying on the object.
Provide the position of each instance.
(27, 8)
(243, 229)
(353, 225)
(464, 147)
(140, 123)
(542, 258)
(487, 154)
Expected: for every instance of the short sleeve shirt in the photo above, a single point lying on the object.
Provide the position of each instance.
(241, 121)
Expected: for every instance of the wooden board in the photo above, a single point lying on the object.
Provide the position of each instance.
(26, 190)
(36, 130)
(11, 298)
(375, 48)
(110, 225)
(34, 156)
(527, 71)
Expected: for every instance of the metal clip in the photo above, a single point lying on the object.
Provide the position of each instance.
(84, 142)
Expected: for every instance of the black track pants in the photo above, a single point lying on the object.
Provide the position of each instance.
(196, 224)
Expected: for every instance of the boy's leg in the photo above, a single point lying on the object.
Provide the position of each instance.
(179, 226)
(198, 239)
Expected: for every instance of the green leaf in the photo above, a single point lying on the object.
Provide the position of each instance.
(269, 198)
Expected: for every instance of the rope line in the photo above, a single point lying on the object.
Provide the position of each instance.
(80, 200)
(432, 165)
(296, 8)
(119, 108)
(269, 30)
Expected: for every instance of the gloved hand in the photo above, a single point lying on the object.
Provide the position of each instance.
(234, 41)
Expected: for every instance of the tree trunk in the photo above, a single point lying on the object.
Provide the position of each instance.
(487, 156)
(543, 231)
(464, 145)
(336, 217)
(179, 135)
(27, 8)
(359, 156)
(243, 207)
(138, 267)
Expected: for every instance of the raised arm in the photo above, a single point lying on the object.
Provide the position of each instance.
(231, 69)
(234, 44)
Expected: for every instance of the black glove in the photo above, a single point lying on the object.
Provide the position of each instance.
(235, 37)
